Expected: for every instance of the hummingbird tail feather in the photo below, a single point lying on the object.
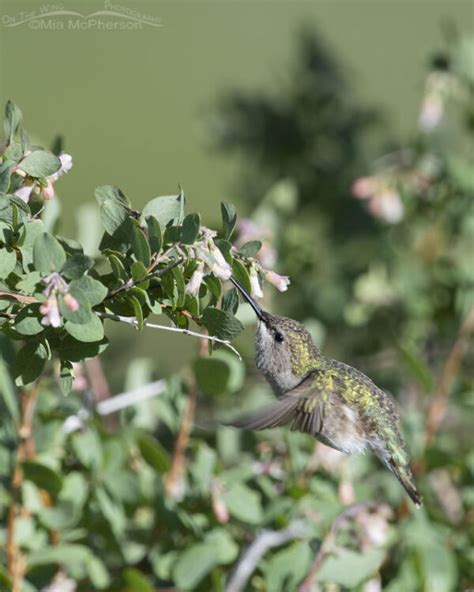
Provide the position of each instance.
(405, 476)
(277, 414)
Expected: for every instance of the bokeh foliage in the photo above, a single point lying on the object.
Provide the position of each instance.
(161, 495)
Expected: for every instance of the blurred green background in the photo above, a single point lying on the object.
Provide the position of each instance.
(132, 105)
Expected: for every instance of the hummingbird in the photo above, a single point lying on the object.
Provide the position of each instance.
(337, 404)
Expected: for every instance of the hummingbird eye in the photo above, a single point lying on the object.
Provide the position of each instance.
(279, 337)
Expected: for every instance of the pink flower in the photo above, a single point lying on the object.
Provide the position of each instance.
(387, 206)
(50, 312)
(24, 192)
(364, 187)
(48, 191)
(70, 302)
(281, 282)
(196, 280)
(255, 288)
(217, 264)
(219, 507)
(80, 381)
(66, 166)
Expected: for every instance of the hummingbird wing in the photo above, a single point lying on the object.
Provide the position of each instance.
(303, 407)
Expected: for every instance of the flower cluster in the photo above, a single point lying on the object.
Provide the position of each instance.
(403, 172)
(55, 287)
(41, 187)
(212, 261)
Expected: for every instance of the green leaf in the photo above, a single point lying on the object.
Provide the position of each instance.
(225, 548)
(139, 271)
(30, 362)
(105, 193)
(154, 234)
(27, 321)
(117, 266)
(94, 290)
(166, 209)
(5, 174)
(180, 286)
(417, 367)
(241, 275)
(287, 568)
(40, 163)
(153, 453)
(221, 323)
(62, 554)
(349, 568)
(113, 215)
(250, 249)
(83, 314)
(76, 351)
(66, 377)
(230, 301)
(48, 254)
(140, 246)
(43, 477)
(244, 503)
(193, 565)
(136, 581)
(12, 120)
(229, 218)
(88, 332)
(212, 375)
(7, 385)
(31, 230)
(191, 227)
(29, 282)
(137, 310)
(76, 266)
(7, 262)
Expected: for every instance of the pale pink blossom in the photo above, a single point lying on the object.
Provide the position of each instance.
(48, 191)
(217, 263)
(388, 206)
(195, 282)
(24, 192)
(66, 166)
(50, 312)
(281, 282)
(255, 288)
(364, 187)
(70, 302)
(219, 507)
(80, 380)
(431, 112)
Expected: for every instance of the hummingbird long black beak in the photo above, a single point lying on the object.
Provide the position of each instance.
(258, 311)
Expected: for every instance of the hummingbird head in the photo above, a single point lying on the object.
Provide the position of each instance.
(285, 351)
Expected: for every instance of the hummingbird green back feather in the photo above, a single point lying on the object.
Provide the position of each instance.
(332, 401)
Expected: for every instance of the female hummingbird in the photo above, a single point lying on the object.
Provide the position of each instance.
(327, 399)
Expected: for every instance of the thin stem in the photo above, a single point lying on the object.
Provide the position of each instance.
(439, 403)
(16, 562)
(174, 478)
(133, 321)
(265, 540)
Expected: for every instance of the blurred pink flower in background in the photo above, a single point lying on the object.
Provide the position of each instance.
(384, 200)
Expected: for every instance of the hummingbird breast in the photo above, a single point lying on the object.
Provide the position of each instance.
(341, 429)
